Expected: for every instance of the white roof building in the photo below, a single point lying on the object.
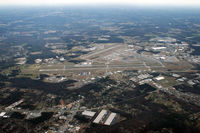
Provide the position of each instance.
(38, 61)
(88, 113)
(158, 48)
(159, 78)
(110, 119)
(2, 114)
(100, 116)
(175, 75)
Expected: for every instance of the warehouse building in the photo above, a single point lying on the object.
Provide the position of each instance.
(111, 119)
(101, 117)
(89, 114)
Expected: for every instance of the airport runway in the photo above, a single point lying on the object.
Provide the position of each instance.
(139, 66)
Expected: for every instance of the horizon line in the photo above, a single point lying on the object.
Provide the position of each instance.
(98, 5)
(177, 3)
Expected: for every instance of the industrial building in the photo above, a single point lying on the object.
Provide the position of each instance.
(111, 119)
(88, 113)
(159, 78)
(101, 116)
(106, 118)
(14, 104)
(2, 114)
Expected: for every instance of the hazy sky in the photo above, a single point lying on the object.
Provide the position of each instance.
(69, 2)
